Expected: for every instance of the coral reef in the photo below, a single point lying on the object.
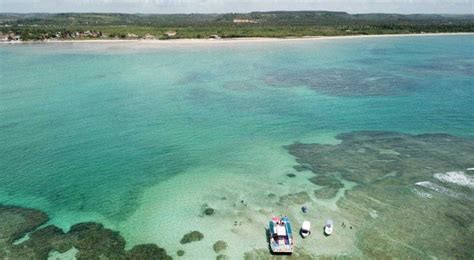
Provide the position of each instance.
(391, 218)
(191, 237)
(92, 240)
(294, 198)
(222, 257)
(219, 246)
(206, 210)
(345, 82)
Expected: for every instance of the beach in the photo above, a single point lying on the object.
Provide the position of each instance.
(241, 39)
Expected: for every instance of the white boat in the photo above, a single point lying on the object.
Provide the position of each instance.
(328, 227)
(306, 229)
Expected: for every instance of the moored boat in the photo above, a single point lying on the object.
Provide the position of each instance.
(328, 227)
(306, 229)
(281, 237)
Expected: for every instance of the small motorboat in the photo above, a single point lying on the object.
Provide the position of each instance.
(281, 237)
(328, 227)
(305, 229)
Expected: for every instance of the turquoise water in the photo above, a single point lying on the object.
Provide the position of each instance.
(101, 131)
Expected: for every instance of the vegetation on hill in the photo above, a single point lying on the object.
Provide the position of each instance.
(39, 26)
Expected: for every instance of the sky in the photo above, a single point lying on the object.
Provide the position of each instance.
(224, 6)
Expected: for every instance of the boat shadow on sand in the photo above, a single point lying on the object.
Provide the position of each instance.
(323, 229)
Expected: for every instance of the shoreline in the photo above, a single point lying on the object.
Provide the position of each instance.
(237, 40)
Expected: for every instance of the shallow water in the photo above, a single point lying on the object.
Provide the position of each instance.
(140, 137)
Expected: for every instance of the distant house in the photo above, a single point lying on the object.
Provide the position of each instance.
(170, 33)
(244, 20)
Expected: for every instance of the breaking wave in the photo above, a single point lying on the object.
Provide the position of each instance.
(437, 188)
(422, 194)
(457, 177)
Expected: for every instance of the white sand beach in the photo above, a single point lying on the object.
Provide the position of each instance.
(240, 40)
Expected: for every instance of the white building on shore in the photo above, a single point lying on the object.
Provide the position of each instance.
(244, 20)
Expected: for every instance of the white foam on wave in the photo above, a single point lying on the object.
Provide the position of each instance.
(457, 177)
(423, 194)
(470, 169)
(437, 188)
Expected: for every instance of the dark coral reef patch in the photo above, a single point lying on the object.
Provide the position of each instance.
(294, 198)
(219, 246)
(92, 240)
(345, 82)
(191, 237)
(206, 210)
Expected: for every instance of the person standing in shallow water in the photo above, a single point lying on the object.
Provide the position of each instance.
(304, 209)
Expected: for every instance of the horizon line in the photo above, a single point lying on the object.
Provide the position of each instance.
(188, 13)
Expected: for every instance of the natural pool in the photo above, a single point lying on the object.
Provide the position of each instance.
(158, 141)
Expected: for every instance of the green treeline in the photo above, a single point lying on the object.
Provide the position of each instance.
(40, 26)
